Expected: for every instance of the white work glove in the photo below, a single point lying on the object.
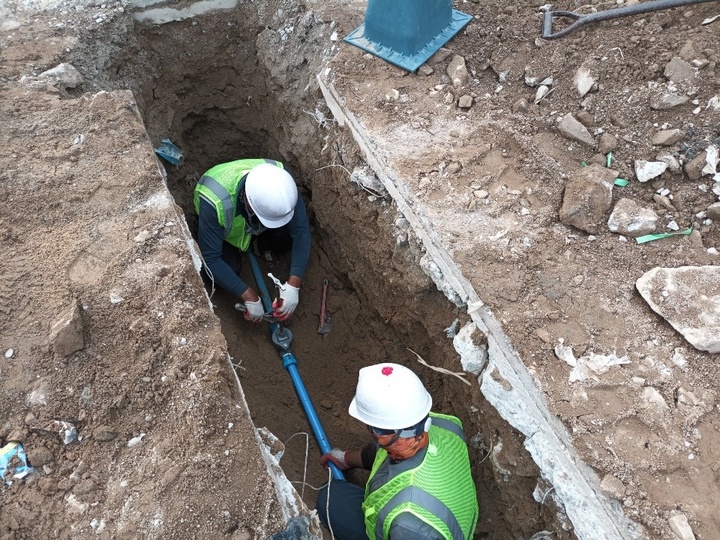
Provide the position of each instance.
(254, 311)
(286, 304)
(337, 457)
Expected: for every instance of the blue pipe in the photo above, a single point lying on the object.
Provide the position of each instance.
(290, 365)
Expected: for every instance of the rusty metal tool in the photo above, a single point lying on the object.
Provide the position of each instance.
(325, 324)
(582, 20)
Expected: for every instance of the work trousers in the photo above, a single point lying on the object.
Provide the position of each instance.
(345, 509)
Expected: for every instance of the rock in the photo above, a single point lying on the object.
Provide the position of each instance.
(598, 159)
(541, 92)
(652, 400)
(583, 81)
(612, 486)
(667, 101)
(680, 526)
(440, 56)
(454, 167)
(66, 335)
(665, 202)
(571, 129)
(587, 198)
(425, 70)
(607, 143)
(694, 168)
(520, 106)
(678, 70)
(688, 297)
(647, 170)
(457, 71)
(465, 102)
(586, 118)
(630, 219)
(673, 164)
(713, 211)
(65, 74)
(668, 137)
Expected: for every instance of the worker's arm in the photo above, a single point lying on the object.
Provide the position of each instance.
(210, 240)
(299, 228)
(351, 459)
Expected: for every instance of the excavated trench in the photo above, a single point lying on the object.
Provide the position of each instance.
(222, 86)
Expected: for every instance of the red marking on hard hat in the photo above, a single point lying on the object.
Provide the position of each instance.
(387, 370)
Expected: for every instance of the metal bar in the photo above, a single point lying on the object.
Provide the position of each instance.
(582, 20)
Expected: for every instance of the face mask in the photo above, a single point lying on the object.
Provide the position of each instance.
(399, 448)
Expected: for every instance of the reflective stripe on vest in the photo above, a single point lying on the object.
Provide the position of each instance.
(450, 426)
(427, 501)
(222, 194)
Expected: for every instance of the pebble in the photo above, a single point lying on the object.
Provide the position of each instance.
(135, 440)
(10, 353)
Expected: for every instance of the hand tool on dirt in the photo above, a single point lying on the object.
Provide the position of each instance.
(582, 20)
(282, 339)
(325, 323)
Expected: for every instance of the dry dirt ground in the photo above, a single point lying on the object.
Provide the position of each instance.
(108, 329)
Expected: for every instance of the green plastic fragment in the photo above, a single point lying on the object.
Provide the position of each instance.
(609, 159)
(621, 182)
(584, 164)
(651, 237)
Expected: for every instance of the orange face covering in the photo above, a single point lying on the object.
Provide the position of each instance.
(404, 447)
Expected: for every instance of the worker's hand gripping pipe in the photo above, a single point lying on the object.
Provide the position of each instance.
(282, 339)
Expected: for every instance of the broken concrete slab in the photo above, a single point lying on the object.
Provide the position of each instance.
(688, 298)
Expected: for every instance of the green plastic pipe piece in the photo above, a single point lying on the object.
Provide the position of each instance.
(651, 237)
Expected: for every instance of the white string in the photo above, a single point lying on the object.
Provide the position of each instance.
(327, 504)
(307, 449)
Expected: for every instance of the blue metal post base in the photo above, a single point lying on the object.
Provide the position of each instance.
(407, 33)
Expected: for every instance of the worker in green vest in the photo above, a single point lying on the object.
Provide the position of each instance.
(248, 198)
(420, 485)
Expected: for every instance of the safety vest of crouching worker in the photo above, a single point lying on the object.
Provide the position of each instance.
(220, 186)
(240, 199)
(420, 483)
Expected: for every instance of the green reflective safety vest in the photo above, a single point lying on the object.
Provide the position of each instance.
(439, 490)
(220, 186)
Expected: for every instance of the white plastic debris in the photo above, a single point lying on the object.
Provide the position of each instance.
(711, 163)
(10, 353)
(586, 366)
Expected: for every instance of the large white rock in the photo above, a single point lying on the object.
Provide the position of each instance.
(688, 297)
(647, 170)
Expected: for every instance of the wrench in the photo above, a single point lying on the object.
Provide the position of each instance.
(325, 323)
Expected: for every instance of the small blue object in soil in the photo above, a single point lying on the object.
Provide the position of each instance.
(169, 152)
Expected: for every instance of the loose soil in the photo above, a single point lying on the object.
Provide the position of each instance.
(88, 229)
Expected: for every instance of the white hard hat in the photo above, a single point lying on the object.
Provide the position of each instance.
(272, 194)
(389, 396)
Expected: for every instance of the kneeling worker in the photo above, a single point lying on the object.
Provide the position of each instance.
(420, 485)
(241, 199)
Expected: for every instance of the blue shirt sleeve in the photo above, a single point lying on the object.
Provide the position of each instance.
(299, 228)
(210, 240)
